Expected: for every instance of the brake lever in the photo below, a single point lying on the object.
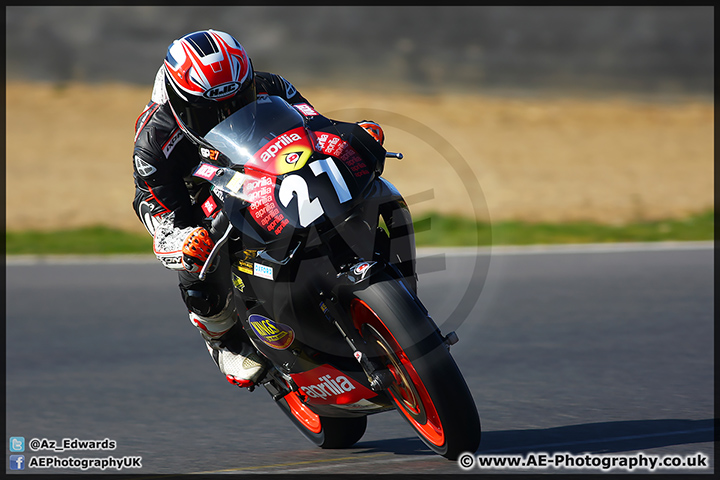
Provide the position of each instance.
(213, 252)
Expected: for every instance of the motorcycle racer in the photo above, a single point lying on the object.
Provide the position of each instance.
(206, 76)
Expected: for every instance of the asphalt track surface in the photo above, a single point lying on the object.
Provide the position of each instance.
(600, 350)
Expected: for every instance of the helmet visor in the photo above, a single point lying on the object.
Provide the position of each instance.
(201, 116)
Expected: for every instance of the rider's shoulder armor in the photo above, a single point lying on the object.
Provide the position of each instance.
(157, 139)
(273, 84)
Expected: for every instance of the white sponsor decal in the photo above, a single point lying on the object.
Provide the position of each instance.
(362, 404)
(172, 143)
(206, 171)
(263, 271)
(306, 109)
(224, 90)
(144, 168)
(219, 193)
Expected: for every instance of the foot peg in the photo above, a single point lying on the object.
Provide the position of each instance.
(249, 384)
(450, 339)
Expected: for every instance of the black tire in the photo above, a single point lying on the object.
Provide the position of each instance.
(324, 432)
(429, 390)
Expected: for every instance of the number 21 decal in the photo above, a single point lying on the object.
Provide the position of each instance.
(295, 185)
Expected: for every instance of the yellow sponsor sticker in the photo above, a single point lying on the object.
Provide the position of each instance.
(238, 283)
(235, 182)
(245, 267)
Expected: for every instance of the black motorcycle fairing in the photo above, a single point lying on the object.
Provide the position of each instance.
(308, 208)
(323, 262)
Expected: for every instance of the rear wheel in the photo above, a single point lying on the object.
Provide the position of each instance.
(324, 432)
(428, 389)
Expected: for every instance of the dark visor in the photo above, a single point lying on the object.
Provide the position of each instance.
(202, 116)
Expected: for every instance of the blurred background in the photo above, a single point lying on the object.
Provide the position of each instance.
(667, 49)
(559, 113)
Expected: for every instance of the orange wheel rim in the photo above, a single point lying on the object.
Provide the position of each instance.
(307, 417)
(408, 382)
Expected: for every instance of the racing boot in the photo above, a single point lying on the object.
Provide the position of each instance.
(230, 348)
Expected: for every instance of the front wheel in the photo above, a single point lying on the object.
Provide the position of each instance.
(324, 432)
(428, 389)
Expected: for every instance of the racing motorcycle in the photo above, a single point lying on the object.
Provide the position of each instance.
(322, 258)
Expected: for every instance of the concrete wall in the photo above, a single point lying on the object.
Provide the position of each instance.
(666, 49)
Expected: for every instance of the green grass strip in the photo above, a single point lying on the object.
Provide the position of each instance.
(90, 241)
(439, 230)
(431, 230)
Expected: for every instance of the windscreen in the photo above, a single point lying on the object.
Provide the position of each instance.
(249, 129)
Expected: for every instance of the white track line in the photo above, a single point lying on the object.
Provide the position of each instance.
(566, 248)
(421, 252)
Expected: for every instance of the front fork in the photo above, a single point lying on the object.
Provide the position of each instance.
(394, 252)
(378, 377)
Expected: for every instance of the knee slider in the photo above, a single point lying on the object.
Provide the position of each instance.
(202, 300)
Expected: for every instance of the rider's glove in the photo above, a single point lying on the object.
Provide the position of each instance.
(182, 248)
(196, 248)
(373, 129)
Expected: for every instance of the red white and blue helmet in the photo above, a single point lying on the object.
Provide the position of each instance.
(208, 77)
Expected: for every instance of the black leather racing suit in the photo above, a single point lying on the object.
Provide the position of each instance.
(164, 159)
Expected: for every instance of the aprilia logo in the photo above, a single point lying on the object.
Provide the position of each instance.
(282, 141)
(224, 90)
(328, 387)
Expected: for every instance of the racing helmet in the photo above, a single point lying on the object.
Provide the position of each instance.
(208, 77)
